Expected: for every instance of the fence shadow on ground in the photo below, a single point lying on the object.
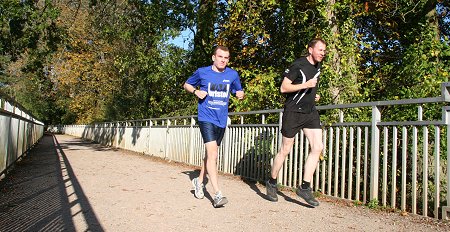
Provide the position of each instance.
(43, 194)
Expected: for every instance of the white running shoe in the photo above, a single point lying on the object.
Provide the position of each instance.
(198, 188)
(219, 200)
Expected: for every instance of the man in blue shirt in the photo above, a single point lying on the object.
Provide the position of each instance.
(212, 86)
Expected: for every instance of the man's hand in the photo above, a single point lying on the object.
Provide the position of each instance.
(240, 94)
(201, 94)
(317, 98)
(311, 83)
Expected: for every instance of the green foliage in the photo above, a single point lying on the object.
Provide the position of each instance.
(357, 203)
(79, 62)
(28, 37)
(373, 204)
(262, 92)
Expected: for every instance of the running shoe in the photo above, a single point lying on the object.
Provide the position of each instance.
(219, 200)
(307, 195)
(271, 191)
(198, 188)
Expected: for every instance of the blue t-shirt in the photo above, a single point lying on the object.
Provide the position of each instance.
(214, 107)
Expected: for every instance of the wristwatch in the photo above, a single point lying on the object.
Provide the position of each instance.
(194, 91)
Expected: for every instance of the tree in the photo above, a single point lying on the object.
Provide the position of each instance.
(29, 35)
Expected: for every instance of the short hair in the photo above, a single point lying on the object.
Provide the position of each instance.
(219, 47)
(314, 41)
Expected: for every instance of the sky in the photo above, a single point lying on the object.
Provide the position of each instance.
(183, 39)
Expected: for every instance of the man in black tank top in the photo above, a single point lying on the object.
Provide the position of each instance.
(300, 86)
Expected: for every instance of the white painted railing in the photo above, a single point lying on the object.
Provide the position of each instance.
(398, 164)
(19, 131)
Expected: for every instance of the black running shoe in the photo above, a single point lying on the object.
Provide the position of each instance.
(307, 195)
(271, 191)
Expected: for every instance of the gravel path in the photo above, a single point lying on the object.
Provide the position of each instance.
(67, 184)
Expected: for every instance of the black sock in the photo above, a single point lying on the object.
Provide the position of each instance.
(305, 185)
(272, 181)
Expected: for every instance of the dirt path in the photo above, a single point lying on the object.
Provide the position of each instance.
(67, 184)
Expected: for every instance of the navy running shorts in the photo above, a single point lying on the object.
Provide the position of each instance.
(211, 132)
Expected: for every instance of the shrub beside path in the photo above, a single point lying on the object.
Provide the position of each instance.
(67, 184)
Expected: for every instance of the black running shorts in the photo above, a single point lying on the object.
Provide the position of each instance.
(293, 122)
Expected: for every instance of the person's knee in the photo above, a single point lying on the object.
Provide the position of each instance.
(317, 148)
(211, 156)
(284, 151)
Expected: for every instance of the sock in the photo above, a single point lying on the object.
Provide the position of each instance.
(272, 181)
(305, 185)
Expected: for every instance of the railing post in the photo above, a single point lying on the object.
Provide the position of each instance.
(167, 139)
(446, 119)
(149, 134)
(191, 141)
(445, 94)
(375, 152)
(226, 155)
(117, 135)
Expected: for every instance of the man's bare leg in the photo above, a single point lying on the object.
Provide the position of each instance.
(271, 184)
(212, 152)
(202, 175)
(286, 146)
(314, 137)
(211, 164)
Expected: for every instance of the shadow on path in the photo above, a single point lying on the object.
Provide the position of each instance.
(252, 185)
(193, 174)
(43, 194)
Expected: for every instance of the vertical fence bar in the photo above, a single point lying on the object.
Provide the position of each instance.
(366, 156)
(425, 172)
(259, 148)
(404, 160)
(358, 164)
(336, 162)
(437, 179)
(394, 167)
(324, 151)
(237, 149)
(344, 157)
(385, 158)
(350, 165)
(330, 160)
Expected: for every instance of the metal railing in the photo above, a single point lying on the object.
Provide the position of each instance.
(400, 164)
(19, 131)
